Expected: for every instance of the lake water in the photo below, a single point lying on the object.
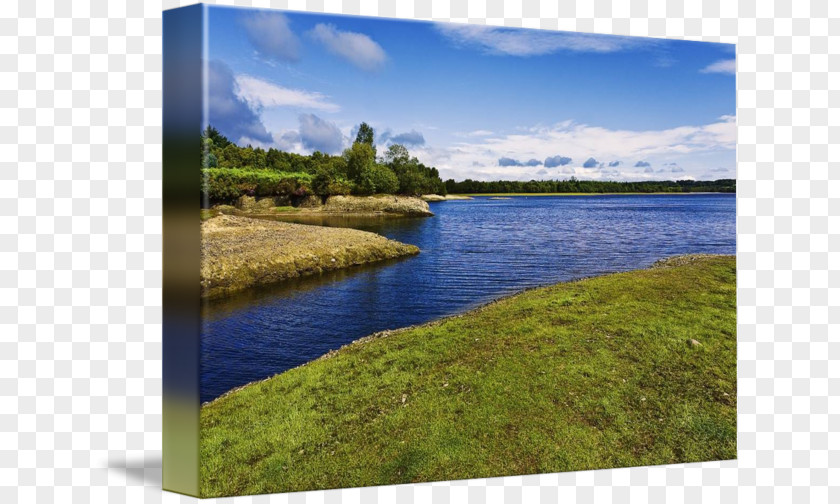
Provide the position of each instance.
(471, 253)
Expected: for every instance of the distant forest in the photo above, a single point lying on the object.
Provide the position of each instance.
(574, 185)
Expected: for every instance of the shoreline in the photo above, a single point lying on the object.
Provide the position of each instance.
(665, 262)
(434, 198)
(406, 206)
(240, 252)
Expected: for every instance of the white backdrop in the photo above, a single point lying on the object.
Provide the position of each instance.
(80, 251)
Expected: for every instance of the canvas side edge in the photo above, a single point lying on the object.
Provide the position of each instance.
(182, 116)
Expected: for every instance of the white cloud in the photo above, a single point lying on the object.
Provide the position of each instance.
(270, 34)
(357, 48)
(318, 134)
(692, 146)
(519, 42)
(723, 66)
(479, 133)
(258, 93)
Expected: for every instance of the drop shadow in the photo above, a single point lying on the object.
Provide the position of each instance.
(146, 470)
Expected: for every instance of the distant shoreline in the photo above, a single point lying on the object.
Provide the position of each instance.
(594, 194)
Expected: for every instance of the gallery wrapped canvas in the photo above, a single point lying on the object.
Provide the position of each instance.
(401, 251)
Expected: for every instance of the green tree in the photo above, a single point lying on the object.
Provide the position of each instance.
(382, 179)
(209, 160)
(396, 156)
(360, 157)
(232, 157)
(218, 139)
(365, 134)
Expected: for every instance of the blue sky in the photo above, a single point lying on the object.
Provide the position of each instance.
(475, 101)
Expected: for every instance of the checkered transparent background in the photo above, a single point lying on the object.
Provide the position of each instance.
(80, 251)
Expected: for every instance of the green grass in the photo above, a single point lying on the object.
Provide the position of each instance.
(285, 209)
(583, 375)
(209, 213)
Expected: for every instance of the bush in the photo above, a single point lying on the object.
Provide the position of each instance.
(384, 180)
(339, 186)
(326, 182)
(227, 184)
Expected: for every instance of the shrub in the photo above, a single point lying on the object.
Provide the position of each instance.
(384, 180)
(227, 184)
(339, 186)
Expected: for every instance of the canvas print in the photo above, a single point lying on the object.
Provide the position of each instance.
(435, 251)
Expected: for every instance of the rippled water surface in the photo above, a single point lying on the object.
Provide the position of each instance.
(471, 252)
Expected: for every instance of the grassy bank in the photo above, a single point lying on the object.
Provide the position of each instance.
(636, 368)
(239, 252)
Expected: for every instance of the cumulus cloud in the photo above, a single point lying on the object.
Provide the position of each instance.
(356, 48)
(519, 42)
(318, 134)
(726, 66)
(270, 34)
(229, 113)
(479, 133)
(553, 161)
(613, 164)
(506, 161)
(590, 163)
(409, 138)
(259, 93)
(640, 164)
(287, 140)
(696, 147)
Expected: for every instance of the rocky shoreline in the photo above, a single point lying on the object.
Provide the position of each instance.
(449, 197)
(240, 252)
(405, 206)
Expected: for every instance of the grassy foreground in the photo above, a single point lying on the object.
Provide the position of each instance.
(635, 368)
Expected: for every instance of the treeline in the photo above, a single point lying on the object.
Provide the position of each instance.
(574, 185)
(230, 171)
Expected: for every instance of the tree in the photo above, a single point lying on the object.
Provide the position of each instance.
(396, 156)
(218, 139)
(359, 157)
(383, 179)
(232, 156)
(365, 134)
(209, 161)
(412, 183)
